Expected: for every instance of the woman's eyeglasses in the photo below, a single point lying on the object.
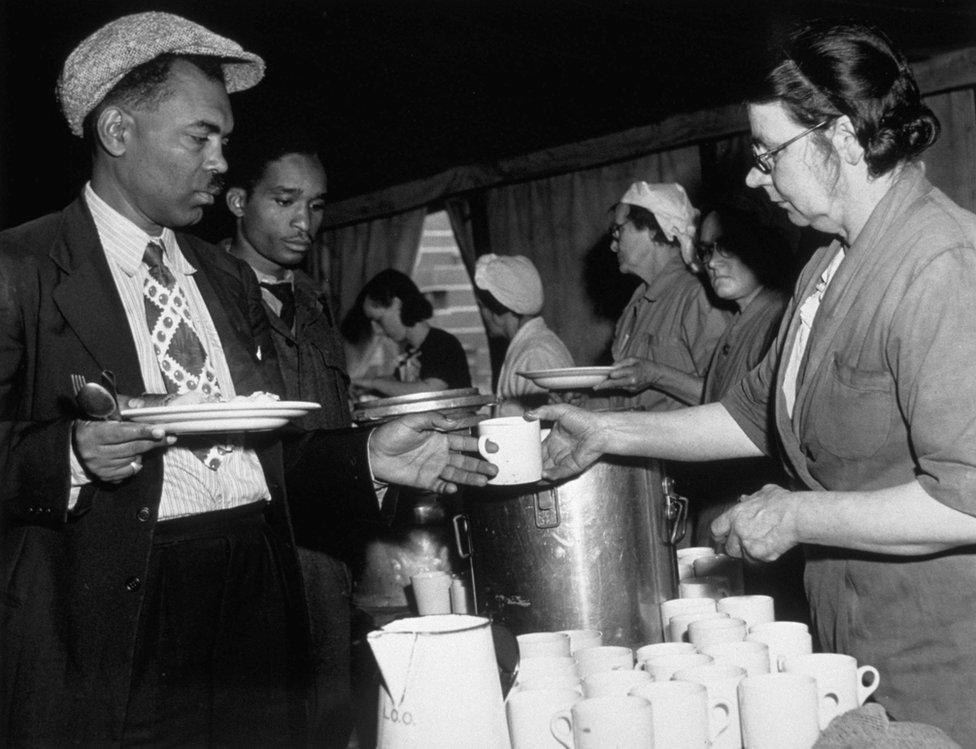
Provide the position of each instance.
(615, 230)
(763, 161)
(706, 250)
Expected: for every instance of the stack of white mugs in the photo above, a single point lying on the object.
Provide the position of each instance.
(728, 676)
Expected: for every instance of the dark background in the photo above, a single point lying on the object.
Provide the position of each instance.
(401, 89)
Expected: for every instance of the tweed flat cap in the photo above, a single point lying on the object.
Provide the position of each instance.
(512, 280)
(103, 59)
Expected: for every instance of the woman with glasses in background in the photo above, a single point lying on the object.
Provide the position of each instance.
(868, 394)
(669, 328)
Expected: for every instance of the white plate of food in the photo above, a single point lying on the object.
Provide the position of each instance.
(568, 378)
(221, 416)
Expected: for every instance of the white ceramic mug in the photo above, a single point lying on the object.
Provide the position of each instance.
(432, 591)
(713, 586)
(721, 565)
(547, 666)
(778, 711)
(754, 609)
(601, 722)
(841, 684)
(784, 639)
(749, 655)
(702, 632)
(538, 644)
(663, 667)
(721, 682)
(519, 455)
(691, 553)
(607, 683)
(675, 606)
(583, 638)
(662, 648)
(678, 626)
(603, 658)
(534, 682)
(529, 714)
(680, 712)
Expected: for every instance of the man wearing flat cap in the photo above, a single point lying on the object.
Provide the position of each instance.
(509, 293)
(150, 588)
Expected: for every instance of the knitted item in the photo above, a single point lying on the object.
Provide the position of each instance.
(101, 60)
(868, 727)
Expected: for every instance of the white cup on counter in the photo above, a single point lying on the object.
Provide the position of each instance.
(778, 711)
(603, 658)
(749, 655)
(784, 639)
(678, 626)
(721, 683)
(432, 591)
(721, 566)
(608, 683)
(519, 455)
(583, 638)
(601, 722)
(702, 632)
(662, 648)
(663, 667)
(529, 714)
(675, 606)
(539, 644)
(841, 684)
(713, 586)
(547, 666)
(680, 713)
(754, 609)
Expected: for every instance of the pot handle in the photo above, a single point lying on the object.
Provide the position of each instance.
(675, 512)
(459, 522)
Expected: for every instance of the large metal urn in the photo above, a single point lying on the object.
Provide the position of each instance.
(593, 552)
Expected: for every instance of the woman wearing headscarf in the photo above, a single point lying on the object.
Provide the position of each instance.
(869, 387)
(510, 297)
(671, 320)
(432, 359)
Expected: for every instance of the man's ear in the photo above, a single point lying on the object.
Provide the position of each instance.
(236, 197)
(112, 129)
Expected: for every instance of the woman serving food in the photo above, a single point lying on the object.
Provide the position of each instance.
(869, 385)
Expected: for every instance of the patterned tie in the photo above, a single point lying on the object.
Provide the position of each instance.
(182, 358)
(285, 294)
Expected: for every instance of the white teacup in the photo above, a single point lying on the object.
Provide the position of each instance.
(754, 609)
(778, 711)
(547, 666)
(841, 684)
(549, 681)
(702, 632)
(678, 626)
(721, 566)
(662, 648)
(714, 586)
(583, 638)
(784, 639)
(603, 658)
(529, 715)
(608, 683)
(721, 682)
(681, 713)
(749, 655)
(538, 644)
(519, 455)
(676, 606)
(432, 591)
(601, 722)
(663, 667)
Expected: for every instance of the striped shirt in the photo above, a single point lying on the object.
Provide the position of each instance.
(189, 487)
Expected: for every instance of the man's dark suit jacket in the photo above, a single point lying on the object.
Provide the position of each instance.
(70, 581)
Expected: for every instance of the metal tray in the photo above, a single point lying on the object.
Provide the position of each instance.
(450, 402)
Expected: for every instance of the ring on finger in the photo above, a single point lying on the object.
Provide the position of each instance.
(136, 466)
